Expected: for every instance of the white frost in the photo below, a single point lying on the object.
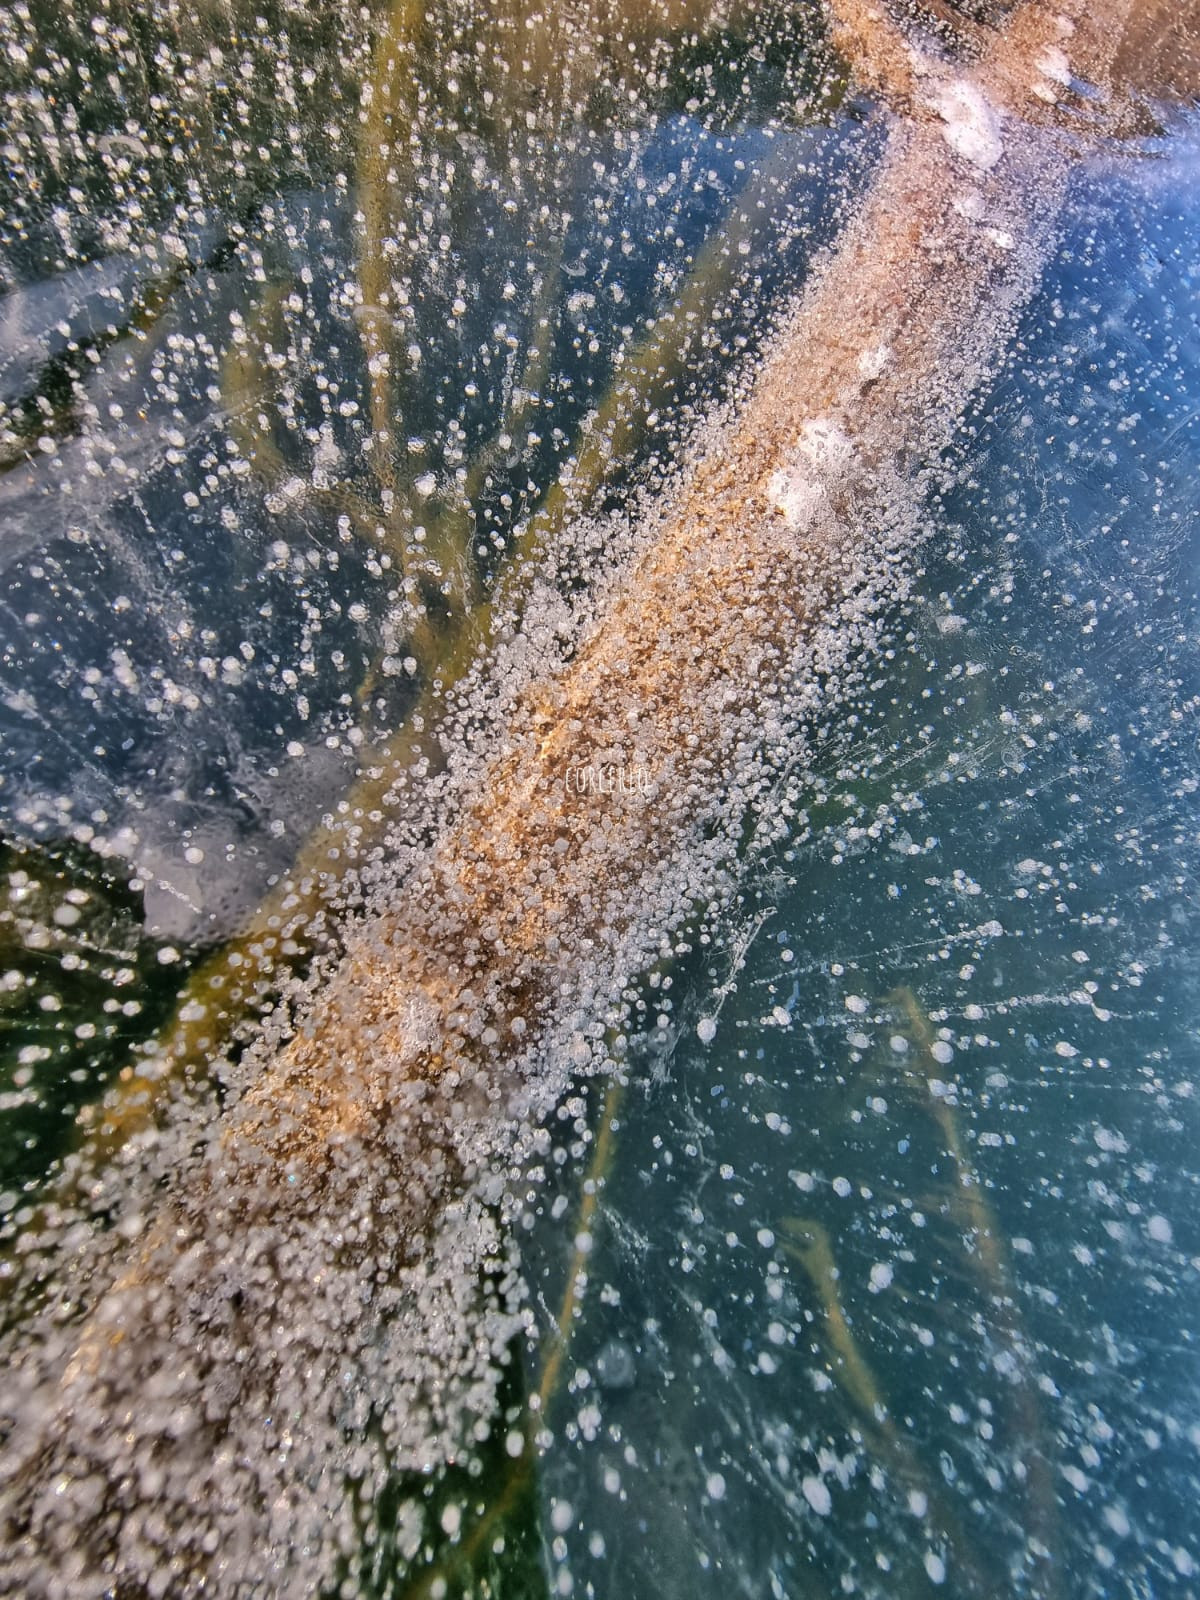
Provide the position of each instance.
(822, 451)
(872, 362)
(1054, 64)
(972, 127)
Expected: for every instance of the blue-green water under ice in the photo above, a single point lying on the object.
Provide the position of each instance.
(1006, 824)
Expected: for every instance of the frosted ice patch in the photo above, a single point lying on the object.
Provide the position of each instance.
(823, 449)
(970, 204)
(420, 1025)
(796, 497)
(1110, 1141)
(872, 362)
(825, 444)
(1054, 64)
(972, 127)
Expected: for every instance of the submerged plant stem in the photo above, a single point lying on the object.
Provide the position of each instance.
(223, 994)
(988, 1262)
(517, 1482)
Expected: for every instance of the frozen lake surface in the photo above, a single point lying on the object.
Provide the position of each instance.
(877, 1260)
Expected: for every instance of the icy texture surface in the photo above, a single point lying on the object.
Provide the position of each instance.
(768, 1170)
(967, 1003)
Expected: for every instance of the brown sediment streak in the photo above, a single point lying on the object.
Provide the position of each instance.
(180, 1428)
(768, 534)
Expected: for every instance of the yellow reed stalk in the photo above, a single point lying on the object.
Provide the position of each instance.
(989, 1264)
(807, 1241)
(466, 1554)
(384, 165)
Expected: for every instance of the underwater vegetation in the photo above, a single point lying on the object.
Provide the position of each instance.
(504, 509)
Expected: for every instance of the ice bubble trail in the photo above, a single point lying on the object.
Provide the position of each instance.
(325, 1292)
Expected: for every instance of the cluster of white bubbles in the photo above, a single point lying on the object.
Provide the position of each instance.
(302, 320)
(305, 318)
